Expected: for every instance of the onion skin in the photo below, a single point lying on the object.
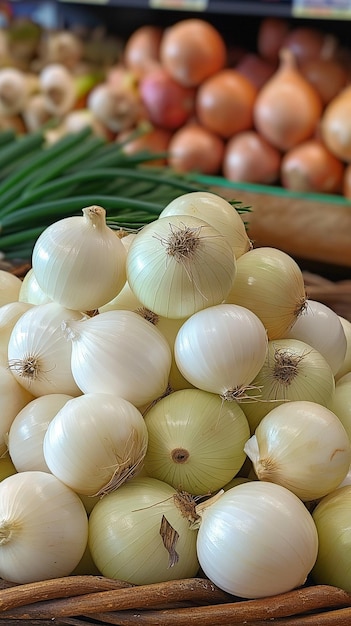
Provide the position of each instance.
(335, 127)
(142, 48)
(287, 108)
(155, 140)
(256, 69)
(168, 104)
(309, 43)
(346, 186)
(195, 148)
(225, 103)
(328, 76)
(192, 50)
(271, 34)
(250, 158)
(311, 167)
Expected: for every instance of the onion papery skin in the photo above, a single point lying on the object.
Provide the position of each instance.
(332, 519)
(79, 262)
(7, 468)
(9, 315)
(126, 300)
(341, 403)
(112, 450)
(217, 212)
(10, 286)
(302, 446)
(30, 290)
(49, 528)
(13, 397)
(287, 108)
(345, 367)
(257, 540)
(120, 352)
(320, 327)
(39, 355)
(27, 431)
(124, 534)
(270, 283)
(221, 349)
(293, 370)
(196, 441)
(178, 265)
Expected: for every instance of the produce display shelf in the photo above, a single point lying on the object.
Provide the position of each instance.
(282, 8)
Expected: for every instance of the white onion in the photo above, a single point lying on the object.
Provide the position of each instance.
(126, 539)
(302, 446)
(10, 286)
(43, 528)
(221, 349)
(27, 431)
(180, 264)
(332, 519)
(270, 283)
(119, 352)
(111, 451)
(217, 212)
(30, 290)
(257, 540)
(320, 327)
(39, 355)
(196, 441)
(293, 370)
(79, 262)
(13, 397)
(345, 367)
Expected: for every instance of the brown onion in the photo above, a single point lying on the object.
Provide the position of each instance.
(191, 50)
(141, 50)
(256, 69)
(271, 33)
(288, 108)
(335, 127)
(250, 158)
(346, 186)
(328, 76)
(311, 167)
(167, 103)
(155, 140)
(308, 43)
(194, 148)
(224, 103)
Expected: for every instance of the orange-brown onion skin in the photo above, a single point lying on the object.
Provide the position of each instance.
(328, 76)
(311, 167)
(287, 108)
(192, 50)
(155, 140)
(335, 126)
(270, 36)
(250, 158)
(168, 104)
(141, 51)
(195, 148)
(225, 102)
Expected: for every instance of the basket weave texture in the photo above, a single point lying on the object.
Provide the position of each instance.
(84, 600)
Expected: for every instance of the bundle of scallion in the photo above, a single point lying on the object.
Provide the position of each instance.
(41, 183)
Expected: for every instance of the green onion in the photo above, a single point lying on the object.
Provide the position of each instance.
(48, 183)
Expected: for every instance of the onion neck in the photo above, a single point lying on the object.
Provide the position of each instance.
(95, 216)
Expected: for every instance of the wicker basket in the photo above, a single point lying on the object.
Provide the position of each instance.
(84, 600)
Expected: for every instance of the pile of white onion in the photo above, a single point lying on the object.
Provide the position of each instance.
(170, 401)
